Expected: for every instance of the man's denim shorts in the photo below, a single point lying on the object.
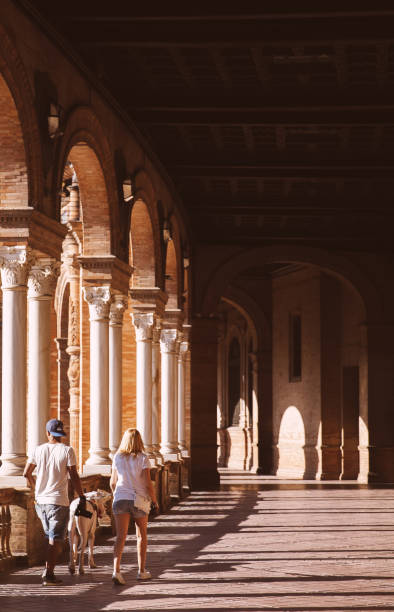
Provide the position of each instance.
(123, 506)
(54, 520)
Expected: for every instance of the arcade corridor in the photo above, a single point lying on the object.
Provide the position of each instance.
(256, 546)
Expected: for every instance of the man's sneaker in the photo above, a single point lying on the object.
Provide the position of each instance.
(145, 575)
(50, 580)
(117, 578)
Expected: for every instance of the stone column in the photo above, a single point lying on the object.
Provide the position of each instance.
(98, 299)
(376, 430)
(143, 323)
(182, 358)
(204, 474)
(41, 283)
(169, 392)
(117, 309)
(156, 391)
(254, 425)
(14, 264)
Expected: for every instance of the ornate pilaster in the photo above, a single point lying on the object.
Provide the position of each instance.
(116, 313)
(41, 283)
(98, 299)
(62, 382)
(14, 267)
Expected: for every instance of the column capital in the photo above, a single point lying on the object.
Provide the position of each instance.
(43, 277)
(168, 340)
(183, 348)
(98, 299)
(117, 309)
(143, 323)
(14, 266)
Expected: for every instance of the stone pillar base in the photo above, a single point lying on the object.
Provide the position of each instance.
(104, 469)
(376, 464)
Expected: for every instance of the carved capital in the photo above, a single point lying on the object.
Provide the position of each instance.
(117, 309)
(183, 348)
(98, 299)
(14, 266)
(169, 340)
(43, 277)
(143, 324)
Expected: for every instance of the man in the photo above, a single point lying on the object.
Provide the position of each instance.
(55, 462)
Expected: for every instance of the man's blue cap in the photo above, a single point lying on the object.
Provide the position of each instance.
(55, 428)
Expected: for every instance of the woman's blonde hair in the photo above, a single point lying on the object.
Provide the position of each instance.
(131, 443)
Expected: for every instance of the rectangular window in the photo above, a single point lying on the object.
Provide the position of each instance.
(295, 348)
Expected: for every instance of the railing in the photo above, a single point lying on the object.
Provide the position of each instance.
(7, 497)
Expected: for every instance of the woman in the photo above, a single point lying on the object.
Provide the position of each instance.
(130, 478)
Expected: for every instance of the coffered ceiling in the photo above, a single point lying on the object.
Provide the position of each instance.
(273, 123)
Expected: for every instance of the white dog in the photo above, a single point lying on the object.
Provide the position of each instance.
(85, 528)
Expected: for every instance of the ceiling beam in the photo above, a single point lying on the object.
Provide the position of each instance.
(128, 31)
(361, 171)
(346, 115)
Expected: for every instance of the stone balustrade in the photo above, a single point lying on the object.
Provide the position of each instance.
(6, 558)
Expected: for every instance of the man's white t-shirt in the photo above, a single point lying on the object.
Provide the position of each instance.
(52, 461)
(130, 479)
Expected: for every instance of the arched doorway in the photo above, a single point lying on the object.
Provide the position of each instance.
(317, 354)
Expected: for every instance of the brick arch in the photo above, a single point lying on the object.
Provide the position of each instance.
(145, 230)
(21, 175)
(338, 265)
(252, 312)
(174, 267)
(142, 246)
(85, 145)
(171, 276)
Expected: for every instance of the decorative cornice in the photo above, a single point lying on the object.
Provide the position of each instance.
(117, 309)
(106, 269)
(14, 266)
(148, 299)
(43, 277)
(143, 324)
(98, 299)
(173, 319)
(169, 340)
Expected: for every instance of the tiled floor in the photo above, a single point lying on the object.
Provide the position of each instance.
(247, 547)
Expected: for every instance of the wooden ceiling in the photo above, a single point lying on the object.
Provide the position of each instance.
(273, 123)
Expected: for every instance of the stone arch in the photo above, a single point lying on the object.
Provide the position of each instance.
(253, 314)
(337, 265)
(21, 176)
(85, 145)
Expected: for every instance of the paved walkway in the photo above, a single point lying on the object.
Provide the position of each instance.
(247, 547)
